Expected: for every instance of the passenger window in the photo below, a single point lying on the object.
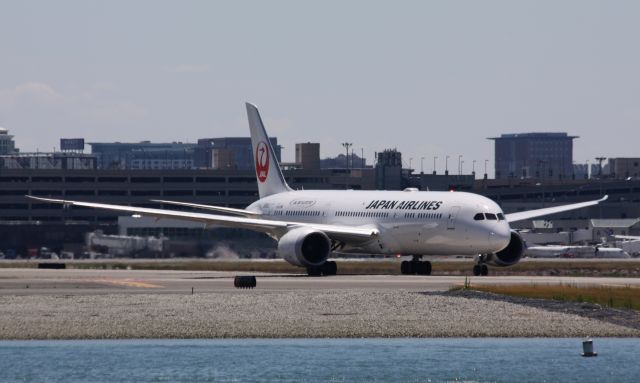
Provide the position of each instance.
(490, 216)
(501, 217)
(478, 217)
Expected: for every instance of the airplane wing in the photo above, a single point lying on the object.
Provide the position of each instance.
(627, 237)
(220, 209)
(277, 228)
(522, 215)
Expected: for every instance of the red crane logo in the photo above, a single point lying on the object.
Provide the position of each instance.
(262, 161)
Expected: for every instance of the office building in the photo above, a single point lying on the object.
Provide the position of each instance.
(534, 155)
(143, 155)
(7, 145)
(624, 167)
(308, 155)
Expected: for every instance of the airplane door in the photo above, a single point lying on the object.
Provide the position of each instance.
(453, 213)
(266, 209)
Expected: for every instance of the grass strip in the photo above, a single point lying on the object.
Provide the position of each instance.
(621, 297)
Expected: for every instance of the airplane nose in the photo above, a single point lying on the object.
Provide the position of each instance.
(499, 237)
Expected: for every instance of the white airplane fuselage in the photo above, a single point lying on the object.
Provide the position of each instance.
(409, 222)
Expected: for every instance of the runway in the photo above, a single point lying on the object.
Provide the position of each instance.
(90, 282)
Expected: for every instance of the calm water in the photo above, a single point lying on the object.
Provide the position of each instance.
(320, 360)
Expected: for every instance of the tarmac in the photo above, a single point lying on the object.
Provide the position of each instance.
(107, 304)
(31, 281)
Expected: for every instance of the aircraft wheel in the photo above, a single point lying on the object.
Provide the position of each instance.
(314, 271)
(244, 282)
(422, 268)
(484, 270)
(477, 270)
(329, 268)
(405, 268)
(427, 268)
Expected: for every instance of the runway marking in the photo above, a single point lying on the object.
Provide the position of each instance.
(128, 283)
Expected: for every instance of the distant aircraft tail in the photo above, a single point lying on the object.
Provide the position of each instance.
(268, 172)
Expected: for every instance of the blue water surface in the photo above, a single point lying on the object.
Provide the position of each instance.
(320, 360)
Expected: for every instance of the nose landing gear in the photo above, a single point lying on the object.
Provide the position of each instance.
(415, 266)
(481, 268)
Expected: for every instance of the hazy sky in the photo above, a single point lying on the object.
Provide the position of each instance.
(428, 78)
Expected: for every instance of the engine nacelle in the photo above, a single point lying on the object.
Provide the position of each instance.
(304, 247)
(511, 254)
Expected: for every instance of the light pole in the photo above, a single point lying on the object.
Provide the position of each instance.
(347, 145)
(446, 166)
(485, 169)
(459, 164)
(353, 165)
(473, 168)
(421, 165)
(587, 173)
(541, 183)
(434, 164)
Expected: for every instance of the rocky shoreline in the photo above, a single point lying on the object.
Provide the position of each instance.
(626, 318)
(305, 314)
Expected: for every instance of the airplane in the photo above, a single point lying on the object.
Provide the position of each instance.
(310, 225)
(551, 251)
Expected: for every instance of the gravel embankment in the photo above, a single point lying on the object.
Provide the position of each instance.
(285, 314)
(625, 318)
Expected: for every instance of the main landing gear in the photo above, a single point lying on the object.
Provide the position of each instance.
(327, 268)
(415, 266)
(481, 268)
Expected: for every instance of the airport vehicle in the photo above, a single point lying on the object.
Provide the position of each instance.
(310, 225)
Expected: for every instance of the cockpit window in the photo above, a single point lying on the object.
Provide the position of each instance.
(500, 216)
(478, 217)
(490, 216)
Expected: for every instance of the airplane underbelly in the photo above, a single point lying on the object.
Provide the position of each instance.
(432, 239)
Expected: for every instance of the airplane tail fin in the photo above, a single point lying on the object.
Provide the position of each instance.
(268, 172)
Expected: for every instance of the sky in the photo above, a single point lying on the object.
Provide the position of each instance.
(429, 78)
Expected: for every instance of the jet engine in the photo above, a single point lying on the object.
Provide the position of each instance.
(511, 254)
(305, 247)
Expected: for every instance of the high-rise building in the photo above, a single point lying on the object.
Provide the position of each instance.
(308, 155)
(223, 158)
(534, 155)
(7, 145)
(624, 167)
(389, 170)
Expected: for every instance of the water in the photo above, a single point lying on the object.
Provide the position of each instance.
(320, 360)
